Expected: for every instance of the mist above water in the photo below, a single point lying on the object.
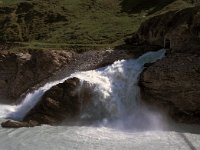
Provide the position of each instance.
(116, 95)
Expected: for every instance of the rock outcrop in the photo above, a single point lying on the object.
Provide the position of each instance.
(173, 84)
(178, 30)
(20, 71)
(63, 101)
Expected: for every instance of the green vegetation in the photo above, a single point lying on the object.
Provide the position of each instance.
(61, 24)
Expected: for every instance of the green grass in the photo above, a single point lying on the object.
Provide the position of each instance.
(73, 23)
(10, 1)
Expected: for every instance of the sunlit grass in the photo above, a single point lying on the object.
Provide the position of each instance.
(84, 23)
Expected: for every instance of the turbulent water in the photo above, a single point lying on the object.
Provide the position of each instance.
(120, 121)
(93, 138)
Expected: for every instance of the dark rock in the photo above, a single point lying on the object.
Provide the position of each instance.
(134, 40)
(173, 84)
(24, 7)
(6, 10)
(52, 17)
(180, 30)
(16, 124)
(63, 101)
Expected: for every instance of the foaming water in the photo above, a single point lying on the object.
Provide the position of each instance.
(93, 138)
(115, 91)
(116, 95)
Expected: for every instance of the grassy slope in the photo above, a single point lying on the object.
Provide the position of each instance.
(77, 23)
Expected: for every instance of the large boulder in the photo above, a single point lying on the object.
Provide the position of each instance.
(16, 124)
(64, 101)
(173, 84)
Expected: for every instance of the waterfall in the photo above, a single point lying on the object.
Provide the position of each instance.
(115, 90)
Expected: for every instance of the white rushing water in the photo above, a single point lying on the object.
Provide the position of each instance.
(115, 104)
(115, 89)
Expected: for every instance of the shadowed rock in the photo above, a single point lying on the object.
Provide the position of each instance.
(63, 101)
(179, 30)
(16, 124)
(174, 84)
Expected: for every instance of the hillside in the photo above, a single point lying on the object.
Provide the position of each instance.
(74, 23)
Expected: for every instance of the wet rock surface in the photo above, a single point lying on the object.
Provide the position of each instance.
(63, 101)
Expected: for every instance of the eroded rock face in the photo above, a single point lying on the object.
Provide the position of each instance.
(180, 28)
(20, 71)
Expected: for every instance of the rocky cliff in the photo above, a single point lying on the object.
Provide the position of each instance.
(173, 83)
(178, 30)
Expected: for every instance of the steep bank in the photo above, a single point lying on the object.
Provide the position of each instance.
(173, 83)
